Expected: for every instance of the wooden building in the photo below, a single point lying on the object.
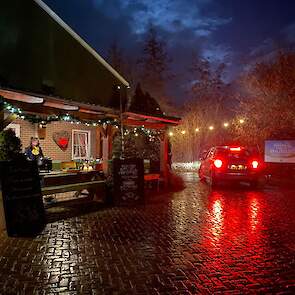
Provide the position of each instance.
(58, 88)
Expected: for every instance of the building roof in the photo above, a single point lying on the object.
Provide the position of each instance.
(81, 41)
(41, 54)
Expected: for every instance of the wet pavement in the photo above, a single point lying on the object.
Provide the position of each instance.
(197, 241)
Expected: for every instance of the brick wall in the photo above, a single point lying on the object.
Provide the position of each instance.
(49, 147)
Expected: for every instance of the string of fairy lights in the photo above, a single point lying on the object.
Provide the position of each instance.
(182, 131)
(42, 121)
(52, 118)
(128, 131)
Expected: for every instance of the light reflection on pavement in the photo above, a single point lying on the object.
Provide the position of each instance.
(196, 241)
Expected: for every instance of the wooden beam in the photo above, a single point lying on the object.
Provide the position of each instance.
(12, 95)
(161, 119)
(37, 99)
(150, 125)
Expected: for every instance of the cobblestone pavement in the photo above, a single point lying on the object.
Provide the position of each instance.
(197, 241)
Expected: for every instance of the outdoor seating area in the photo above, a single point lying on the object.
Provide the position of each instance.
(88, 184)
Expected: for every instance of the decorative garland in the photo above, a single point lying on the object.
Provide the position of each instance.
(142, 131)
(54, 118)
(128, 131)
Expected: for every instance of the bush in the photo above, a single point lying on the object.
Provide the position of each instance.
(10, 145)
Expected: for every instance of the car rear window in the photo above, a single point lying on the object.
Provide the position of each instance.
(243, 154)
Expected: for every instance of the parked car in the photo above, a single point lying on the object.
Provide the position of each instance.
(231, 163)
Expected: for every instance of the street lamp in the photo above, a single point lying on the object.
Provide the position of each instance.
(121, 121)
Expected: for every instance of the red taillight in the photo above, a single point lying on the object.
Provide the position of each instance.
(218, 163)
(255, 164)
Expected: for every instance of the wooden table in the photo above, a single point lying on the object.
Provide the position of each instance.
(62, 177)
(72, 180)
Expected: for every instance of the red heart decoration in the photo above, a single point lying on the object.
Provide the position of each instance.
(62, 139)
(63, 142)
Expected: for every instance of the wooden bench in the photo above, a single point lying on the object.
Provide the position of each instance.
(90, 185)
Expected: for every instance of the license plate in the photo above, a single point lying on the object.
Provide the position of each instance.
(237, 167)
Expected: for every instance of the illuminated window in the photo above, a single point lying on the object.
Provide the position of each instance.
(80, 144)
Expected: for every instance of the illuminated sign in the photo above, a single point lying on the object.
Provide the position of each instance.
(279, 151)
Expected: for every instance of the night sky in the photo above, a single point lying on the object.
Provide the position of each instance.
(232, 31)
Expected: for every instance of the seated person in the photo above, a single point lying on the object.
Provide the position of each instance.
(34, 151)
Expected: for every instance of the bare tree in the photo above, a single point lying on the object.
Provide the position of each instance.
(116, 58)
(208, 106)
(154, 67)
(268, 105)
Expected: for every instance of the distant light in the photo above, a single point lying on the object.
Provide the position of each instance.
(136, 134)
(118, 87)
(170, 133)
(197, 129)
(211, 127)
(242, 121)
(183, 132)
(225, 124)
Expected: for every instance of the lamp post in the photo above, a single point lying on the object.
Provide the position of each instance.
(121, 122)
(1, 113)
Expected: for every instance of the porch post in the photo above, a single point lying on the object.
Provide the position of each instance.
(2, 214)
(1, 113)
(105, 154)
(98, 152)
(164, 158)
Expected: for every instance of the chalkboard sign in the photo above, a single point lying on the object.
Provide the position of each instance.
(128, 175)
(22, 198)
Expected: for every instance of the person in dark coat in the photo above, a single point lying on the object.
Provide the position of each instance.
(34, 151)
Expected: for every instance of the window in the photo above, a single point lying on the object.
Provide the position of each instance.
(80, 144)
(15, 128)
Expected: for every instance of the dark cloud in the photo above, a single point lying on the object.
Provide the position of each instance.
(227, 31)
